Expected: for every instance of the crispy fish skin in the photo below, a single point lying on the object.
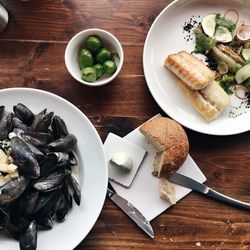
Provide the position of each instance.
(190, 69)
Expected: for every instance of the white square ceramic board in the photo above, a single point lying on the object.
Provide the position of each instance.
(115, 144)
(144, 192)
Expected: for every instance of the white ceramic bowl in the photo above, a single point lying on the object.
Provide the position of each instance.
(77, 42)
(92, 163)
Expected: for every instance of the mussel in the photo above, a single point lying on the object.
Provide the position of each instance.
(12, 190)
(24, 158)
(23, 113)
(64, 144)
(42, 149)
(28, 239)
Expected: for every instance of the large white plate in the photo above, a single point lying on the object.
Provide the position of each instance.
(166, 36)
(93, 170)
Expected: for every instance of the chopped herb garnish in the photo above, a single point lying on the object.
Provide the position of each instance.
(222, 21)
(227, 81)
(203, 43)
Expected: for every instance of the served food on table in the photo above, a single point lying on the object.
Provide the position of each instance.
(95, 60)
(38, 172)
(225, 42)
(172, 146)
(208, 98)
(190, 70)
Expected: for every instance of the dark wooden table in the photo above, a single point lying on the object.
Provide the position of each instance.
(32, 55)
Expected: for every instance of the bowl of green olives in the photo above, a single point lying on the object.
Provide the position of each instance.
(94, 57)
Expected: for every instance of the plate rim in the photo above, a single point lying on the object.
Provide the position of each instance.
(153, 91)
(77, 240)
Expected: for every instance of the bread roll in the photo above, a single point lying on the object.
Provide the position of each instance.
(167, 191)
(170, 142)
(190, 69)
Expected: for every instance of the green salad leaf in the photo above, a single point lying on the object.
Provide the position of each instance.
(222, 21)
(226, 82)
(203, 43)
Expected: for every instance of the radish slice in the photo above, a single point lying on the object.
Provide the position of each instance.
(241, 92)
(232, 15)
(243, 33)
(222, 68)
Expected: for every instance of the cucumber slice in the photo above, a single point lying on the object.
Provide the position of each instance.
(208, 24)
(246, 54)
(242, 74)
(223, 35)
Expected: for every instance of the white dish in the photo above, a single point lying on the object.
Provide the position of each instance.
(77, 42)
(166, 36)
(93, 170)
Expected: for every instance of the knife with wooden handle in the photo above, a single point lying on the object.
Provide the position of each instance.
(201, 188)
(132, 212)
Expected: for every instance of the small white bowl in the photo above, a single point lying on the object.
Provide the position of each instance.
(77, 42)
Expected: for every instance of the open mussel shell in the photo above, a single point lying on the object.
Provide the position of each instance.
(28, 239)
(6, 121)
(59, 128)
(74, 185)
(46, 206)
(44, 123)
(64, 144)
(63, 208)
(12, 190)
(17, 123)
(45, 224)
(24, 158)
(24, 113)
(52, 181)
(43, 138)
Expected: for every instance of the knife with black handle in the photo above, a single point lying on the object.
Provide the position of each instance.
(132, 212)
(201, 188)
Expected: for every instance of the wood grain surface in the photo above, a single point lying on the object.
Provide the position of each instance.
(32, 55)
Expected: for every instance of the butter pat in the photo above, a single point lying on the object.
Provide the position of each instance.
(122, 160)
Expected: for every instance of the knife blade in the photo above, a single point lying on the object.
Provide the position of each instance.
(201, 188)
(132, 212)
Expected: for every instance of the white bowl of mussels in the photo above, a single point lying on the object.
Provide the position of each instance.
(53, 172)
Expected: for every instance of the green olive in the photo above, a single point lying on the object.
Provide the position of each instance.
(103, 55)
(89, 74)
(85, 58)
(109, 67)
(93, 43)
(99, 70)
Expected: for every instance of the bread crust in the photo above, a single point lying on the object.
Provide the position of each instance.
(190, 69)
(168, 137)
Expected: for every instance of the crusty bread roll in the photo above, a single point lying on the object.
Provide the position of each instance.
(170, 141)
(167, 191)
(190, 69)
